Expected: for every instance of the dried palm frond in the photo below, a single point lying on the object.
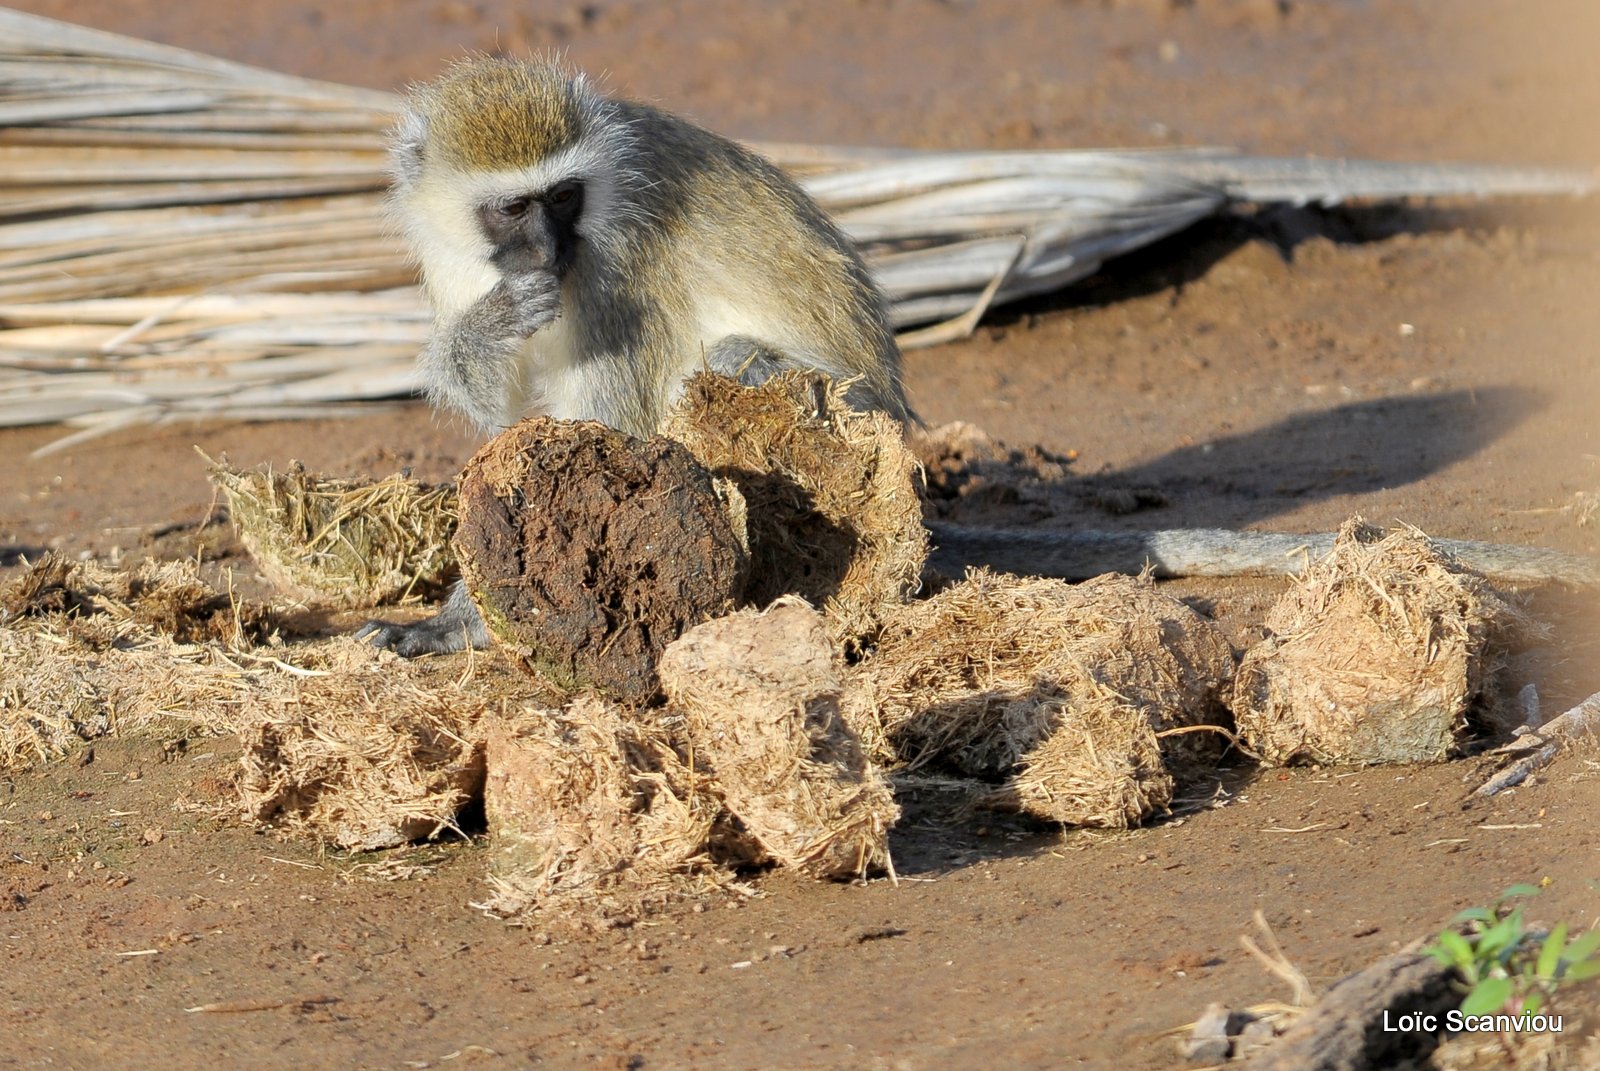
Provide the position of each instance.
(184, 237)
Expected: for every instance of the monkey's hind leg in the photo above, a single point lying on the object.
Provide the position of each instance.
(456, 626)
(752, 363)
(743, 358)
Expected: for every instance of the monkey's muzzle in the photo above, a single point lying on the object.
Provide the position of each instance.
(536, 231)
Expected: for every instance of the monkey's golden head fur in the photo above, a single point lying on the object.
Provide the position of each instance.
(488, 114)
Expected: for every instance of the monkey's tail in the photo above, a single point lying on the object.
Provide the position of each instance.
(1213, 552)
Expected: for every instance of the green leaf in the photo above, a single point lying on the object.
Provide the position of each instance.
(1474, 914)
(1489, 995)
(1517, 891)
(1533, 1002)
(1452, 949)
(1499, 937)
(1583, 947)
(1550, 952)
(1582, 971)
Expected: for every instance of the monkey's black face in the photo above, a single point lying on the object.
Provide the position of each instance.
(534, 231)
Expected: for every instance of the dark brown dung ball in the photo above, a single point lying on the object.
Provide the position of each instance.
(588, 551)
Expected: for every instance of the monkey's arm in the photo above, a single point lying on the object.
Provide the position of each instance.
(472, 362)
(1212, 552)
(456, 626)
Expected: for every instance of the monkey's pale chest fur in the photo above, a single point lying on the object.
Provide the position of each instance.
(555, 377)
(570, 380)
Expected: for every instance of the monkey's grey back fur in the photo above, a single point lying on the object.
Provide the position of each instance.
(727, 219)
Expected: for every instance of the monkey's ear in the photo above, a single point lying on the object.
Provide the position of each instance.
(408, 147)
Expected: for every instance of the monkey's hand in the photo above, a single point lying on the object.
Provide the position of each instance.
(518, 307)
(474, 363)
(457, 626)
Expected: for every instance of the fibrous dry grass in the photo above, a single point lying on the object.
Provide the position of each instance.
(831, 494)
(610, 805)
(760, 697)
(1100, 765)
(1062, 690)
(365, 755)
(342, 543)
(100, 605)
(347, 743)
(57, 691)
(47, 706)
(87, 651)
(1383, 652)
(593, 803)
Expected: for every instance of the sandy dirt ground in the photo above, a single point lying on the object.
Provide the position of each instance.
(1253, 373)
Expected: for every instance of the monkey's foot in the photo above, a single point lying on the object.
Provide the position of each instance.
(443, 633)
(456, 626)
(409, 641)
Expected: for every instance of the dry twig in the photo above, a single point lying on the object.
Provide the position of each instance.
(1540, 746)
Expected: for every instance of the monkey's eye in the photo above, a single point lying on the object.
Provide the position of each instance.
(564, 193)
(515, 208)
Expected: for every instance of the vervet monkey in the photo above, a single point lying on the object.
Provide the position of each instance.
(586, 255)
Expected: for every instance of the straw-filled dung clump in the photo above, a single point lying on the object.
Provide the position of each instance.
(351, 744)
(1383, 652)
(592, 802)
(87, 651)
(342, 543)
(51, 585)
(610, 804)
(369, 754)
(967, 470)
(588, 551)
(1062, 690)
(100, 605)
(49, 704)
(58, 691)
(831, 493)
(760, 696)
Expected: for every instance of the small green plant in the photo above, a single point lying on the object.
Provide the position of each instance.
(1503, 965)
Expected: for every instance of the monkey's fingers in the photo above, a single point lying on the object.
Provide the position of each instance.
(535, 302)
(409, 641)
